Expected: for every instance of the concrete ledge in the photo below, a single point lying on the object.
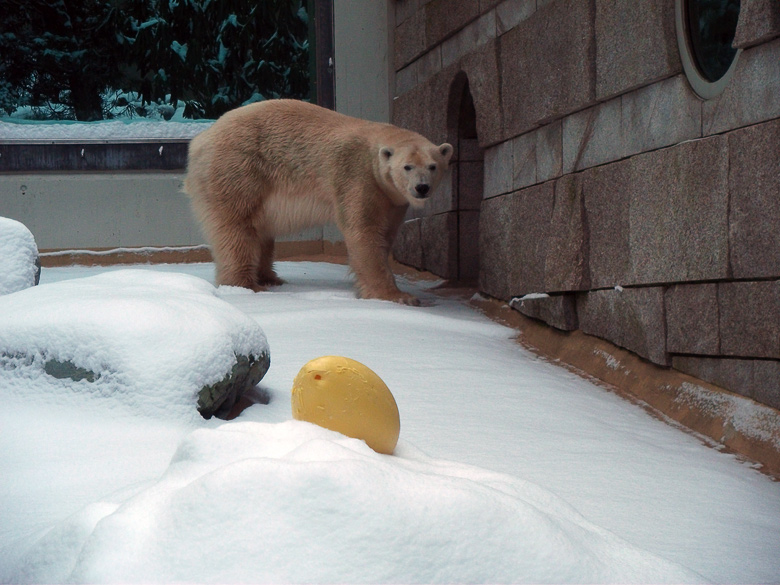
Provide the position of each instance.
(738, 424)
(147, 155)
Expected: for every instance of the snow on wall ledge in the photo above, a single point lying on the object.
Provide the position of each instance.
(106, 131)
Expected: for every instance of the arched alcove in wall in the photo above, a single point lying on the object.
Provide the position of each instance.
(468, 171)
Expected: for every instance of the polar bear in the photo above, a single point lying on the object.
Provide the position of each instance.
(276, 167)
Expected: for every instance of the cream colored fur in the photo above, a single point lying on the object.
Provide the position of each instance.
(279, 166)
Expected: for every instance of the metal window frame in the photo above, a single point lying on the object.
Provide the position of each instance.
(159, 154)
(703, 87)
(323, 78)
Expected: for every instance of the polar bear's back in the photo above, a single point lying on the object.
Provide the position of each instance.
(273, 140)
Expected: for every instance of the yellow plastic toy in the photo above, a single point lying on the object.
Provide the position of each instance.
(343, 395)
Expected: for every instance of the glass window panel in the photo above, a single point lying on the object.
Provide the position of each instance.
(712, 25)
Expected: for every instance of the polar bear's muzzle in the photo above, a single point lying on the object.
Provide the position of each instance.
(421, 190)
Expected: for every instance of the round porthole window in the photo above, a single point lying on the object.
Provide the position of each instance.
(705, 33)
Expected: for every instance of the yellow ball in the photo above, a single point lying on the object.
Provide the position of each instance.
(343, 395)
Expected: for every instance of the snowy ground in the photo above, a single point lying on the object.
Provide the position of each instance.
(508, 468)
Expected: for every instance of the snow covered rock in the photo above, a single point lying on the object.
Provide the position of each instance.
(20, 265)
(217, 399)
(145, 342)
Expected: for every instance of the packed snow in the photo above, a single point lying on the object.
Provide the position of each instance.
(19, 267)
(509, 468)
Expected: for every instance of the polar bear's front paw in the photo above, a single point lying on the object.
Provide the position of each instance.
(406, 299)
(395, 296)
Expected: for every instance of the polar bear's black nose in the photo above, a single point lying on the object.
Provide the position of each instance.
(422, 189)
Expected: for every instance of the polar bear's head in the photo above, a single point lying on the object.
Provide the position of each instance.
(415, 169)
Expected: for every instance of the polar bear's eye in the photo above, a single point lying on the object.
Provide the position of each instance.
(408, 167)
(431, 167)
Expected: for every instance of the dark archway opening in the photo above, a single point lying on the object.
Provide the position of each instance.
(468, 169)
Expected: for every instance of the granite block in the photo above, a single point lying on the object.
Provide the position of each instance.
(765, 386)
(752, 94)
(470, 38)
(429, 64)
(439, 235)
(524, 160)
(548, 65)
(728, 373)
(632, 318)
(415, 213)
(421, 109)
(754, 213)
(559, 311)
(752, 378)
(549, 151)
(445, 198)
(482, 71)
(510, 13)
(607, 196)
(514, 231)
(485, 5)
(443, 18)
(499, 169)
(406, 78)
(407, 248)
(750, 319)
(692, 319)
(409, 109)
(435, 108)
(679, 213)
(410, 40)
(759, 21)
(635, 44)
(405, 9)
(593, 137)
(662, 114)
(566, 262)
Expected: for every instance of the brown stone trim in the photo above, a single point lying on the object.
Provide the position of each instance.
(110, 256)
(179, 255)
(334, 249)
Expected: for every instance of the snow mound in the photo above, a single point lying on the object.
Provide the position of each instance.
(293, 502)
(133, 341)
(19, 264)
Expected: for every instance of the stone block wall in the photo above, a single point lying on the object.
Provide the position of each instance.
(641, 213)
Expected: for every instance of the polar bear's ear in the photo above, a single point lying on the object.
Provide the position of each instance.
(385, 152)
(446, 151)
